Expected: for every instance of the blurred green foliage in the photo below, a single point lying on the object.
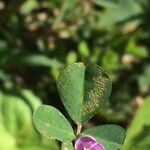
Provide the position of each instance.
(138, 135)
(38, 38)
(17, 132)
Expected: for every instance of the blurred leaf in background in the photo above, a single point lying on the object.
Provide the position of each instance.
(138, 134)
(17, 131)
(144, 80)
(117, 11)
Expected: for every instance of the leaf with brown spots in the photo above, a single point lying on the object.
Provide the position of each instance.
(83, 90)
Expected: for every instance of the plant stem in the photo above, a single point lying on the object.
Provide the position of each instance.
(79, 127)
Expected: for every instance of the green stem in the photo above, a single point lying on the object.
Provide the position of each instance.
(79, 127)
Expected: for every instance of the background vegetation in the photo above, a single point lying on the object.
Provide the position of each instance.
(39, 38)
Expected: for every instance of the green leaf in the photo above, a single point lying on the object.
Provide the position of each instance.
(28, 6)
(28, 59)
(83, 49)
(38, 60)
(110, 60)
(30, 98)
(71, 57)
(118, 11)
(111, 136)
(144, 80)
(67, 146)
(83, 90)
(16, 127)
(52, 124)
(106, 3)
(136, 50)
(138, 134)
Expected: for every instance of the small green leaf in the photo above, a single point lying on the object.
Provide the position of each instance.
(136, 50)
(111, 136)
(52, 124)
(28, 6)
(83, 90)
(83, 49)
(38, 60)
(28, 59)
(110, 60)
(71, 57)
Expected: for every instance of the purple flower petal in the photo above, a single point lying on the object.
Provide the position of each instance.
(97, 147)
(89, 143)
(84, 142)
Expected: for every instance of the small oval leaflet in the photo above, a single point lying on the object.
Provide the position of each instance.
(110, 136)
(83, 90)
(52, 124)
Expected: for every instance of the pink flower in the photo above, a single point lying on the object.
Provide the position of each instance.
(88, 143)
